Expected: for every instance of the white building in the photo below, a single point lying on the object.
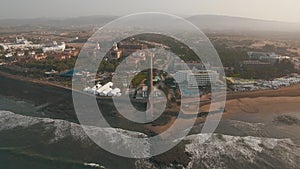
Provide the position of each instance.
(54, 47)
(197, 78)
(181, 76)
(202, 78)
(21, 43)
(105, 90)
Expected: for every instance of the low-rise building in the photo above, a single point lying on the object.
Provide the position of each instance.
(263, 57)
(181, 76)
(41, 56)
(54, 47)
(202, 78)
(197, 78)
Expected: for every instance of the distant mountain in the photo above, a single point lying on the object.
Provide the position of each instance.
(98, 20)
(204, 22)
(228, 23)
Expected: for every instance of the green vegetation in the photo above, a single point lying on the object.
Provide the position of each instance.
(268, 72)
(177, 47)
(232, 58)
(137, 80)
(108, 66)
(48, 64)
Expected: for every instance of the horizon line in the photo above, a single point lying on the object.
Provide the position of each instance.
(185, 16)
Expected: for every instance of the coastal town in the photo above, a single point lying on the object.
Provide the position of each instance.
(22, 57)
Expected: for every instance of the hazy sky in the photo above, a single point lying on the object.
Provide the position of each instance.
(282, 10)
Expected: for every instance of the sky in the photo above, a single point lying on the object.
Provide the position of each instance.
(279, 10)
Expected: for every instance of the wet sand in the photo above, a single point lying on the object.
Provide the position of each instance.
(260, 109)
(262, 112)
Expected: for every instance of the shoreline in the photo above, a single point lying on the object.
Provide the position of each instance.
(254, 106)
(31, 80)
(41, 82)
(281, 92)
